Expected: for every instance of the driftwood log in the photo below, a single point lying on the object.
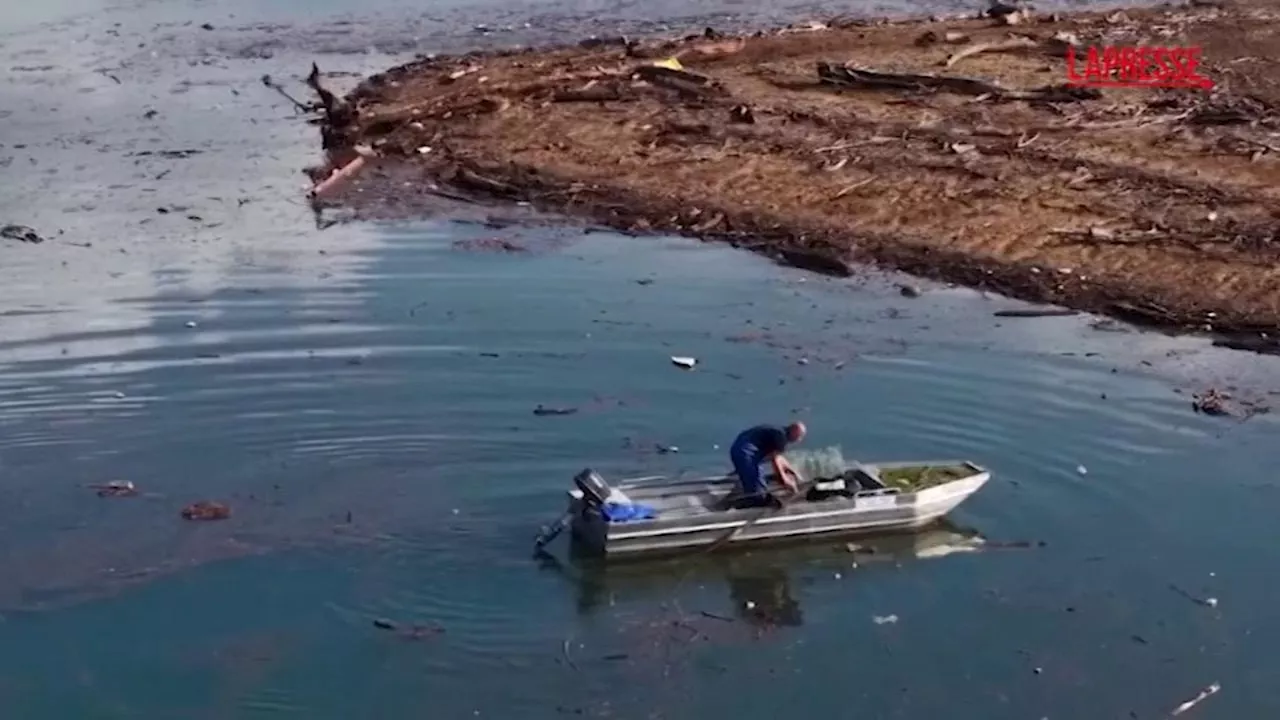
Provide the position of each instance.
(1056, 46)
(1014, 44)
(689, 84)
(337, 130)
(595, 93)
(862, 78)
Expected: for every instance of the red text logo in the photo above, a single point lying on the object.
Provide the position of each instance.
(1158, 67)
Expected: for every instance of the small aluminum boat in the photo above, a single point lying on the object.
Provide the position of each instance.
(673, 514)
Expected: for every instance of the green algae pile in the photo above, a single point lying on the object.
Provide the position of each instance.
(920, 477)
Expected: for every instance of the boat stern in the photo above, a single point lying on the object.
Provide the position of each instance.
(587, 528)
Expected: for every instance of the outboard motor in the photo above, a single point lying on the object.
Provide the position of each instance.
(595, 491)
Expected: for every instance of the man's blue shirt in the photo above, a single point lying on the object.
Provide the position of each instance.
(757, 443)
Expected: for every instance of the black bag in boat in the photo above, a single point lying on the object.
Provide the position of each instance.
(827, 488)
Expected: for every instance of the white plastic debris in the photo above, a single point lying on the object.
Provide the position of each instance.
(116, 488)
(685, 362)
(1082, 470)
(191, 323)
(1205, 694)
(884, 619)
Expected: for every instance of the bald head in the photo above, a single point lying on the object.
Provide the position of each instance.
(796, 432)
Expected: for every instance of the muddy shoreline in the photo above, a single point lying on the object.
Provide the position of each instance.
(1156, 206)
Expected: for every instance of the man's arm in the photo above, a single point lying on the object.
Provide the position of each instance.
(785, 474)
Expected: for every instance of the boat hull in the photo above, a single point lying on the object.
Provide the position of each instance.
(680, 529)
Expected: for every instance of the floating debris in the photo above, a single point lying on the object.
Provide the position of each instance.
(1204, 694)
(116, 488)
(543, 410)
(884, 619)
(687, 363)
(206, 510)
(170, 154)
(21, 233)
(491, 244)
(337, 176)
(1209, 602)
(1211, 402)
(409, 632)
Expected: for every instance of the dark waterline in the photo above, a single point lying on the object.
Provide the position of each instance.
(340, 391)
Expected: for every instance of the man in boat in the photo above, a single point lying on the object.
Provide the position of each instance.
(757, 445)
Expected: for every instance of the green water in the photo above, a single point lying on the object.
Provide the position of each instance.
(396, 382)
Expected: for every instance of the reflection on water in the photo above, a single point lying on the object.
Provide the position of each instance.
(758, 579)
(763, 597)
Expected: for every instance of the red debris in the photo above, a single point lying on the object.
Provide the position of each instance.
(206, 510)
